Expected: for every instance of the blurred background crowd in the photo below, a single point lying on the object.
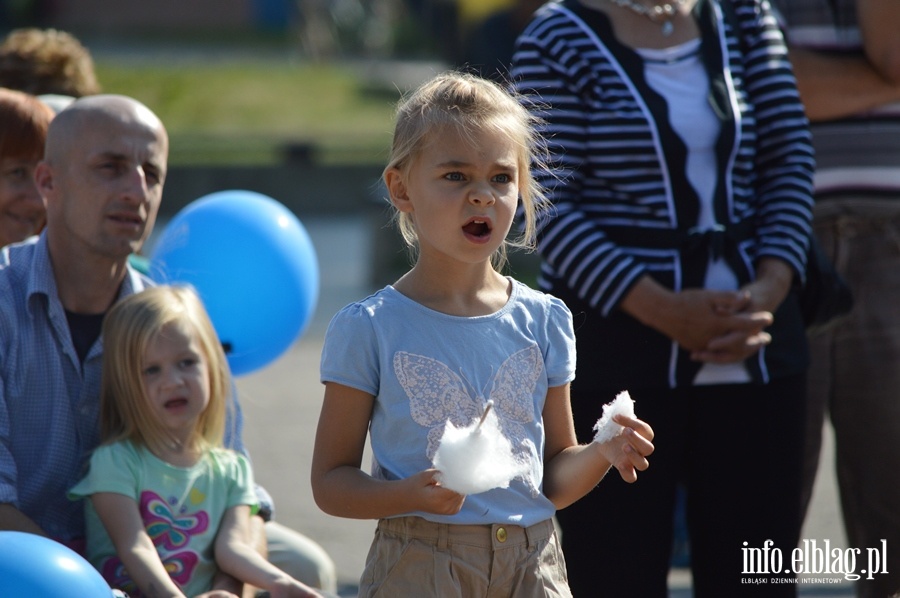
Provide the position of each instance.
(292, 98)
(319, 29)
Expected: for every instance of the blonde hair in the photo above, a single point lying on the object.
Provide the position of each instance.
(465, 104)
(128, 330)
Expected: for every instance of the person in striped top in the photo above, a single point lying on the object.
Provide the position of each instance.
(681, 172)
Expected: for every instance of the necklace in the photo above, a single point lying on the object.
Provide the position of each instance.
(659, 12)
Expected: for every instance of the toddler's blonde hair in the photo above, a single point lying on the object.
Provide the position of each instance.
(128, 329)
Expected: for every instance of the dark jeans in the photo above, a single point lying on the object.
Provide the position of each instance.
(738, 450)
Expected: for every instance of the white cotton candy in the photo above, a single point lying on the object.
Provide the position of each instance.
(606, 429)
(475, 458)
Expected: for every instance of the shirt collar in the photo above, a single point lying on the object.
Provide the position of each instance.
(41, 280)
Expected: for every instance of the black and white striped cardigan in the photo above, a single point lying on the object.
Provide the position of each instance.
(623, 204)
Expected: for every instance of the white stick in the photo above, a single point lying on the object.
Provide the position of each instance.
(487, 409)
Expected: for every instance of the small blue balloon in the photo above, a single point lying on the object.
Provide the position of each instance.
(254, 266)
(31, 565)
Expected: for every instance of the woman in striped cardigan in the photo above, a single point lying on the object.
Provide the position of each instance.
(681, 175)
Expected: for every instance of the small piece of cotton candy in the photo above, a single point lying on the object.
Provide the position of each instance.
(476, 458)
(606, 429)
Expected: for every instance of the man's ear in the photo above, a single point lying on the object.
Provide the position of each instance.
(43, 179)
(396, 186)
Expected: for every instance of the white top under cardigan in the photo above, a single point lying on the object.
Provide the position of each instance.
(677, 74)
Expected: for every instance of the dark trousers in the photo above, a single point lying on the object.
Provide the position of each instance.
(737, 449)
(855, 378)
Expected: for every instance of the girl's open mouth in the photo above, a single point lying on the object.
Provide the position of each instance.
(477, 228)
(175, 403)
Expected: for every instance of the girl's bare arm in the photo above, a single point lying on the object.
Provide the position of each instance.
(122, 520)
(236, 555)
(341, 488)
(572, 470)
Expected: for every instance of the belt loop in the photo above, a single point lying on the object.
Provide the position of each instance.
(443, 532)
(531, 535)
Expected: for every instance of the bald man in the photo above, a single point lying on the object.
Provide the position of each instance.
(102, 180)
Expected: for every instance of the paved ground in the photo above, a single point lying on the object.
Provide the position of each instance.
(281, 404)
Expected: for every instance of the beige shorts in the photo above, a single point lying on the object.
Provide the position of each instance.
(411, 556)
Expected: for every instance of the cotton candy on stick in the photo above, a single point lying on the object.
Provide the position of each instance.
(476, 458)
(606, 429)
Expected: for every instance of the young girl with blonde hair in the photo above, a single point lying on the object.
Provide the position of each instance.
(169, 507)
(446, 340)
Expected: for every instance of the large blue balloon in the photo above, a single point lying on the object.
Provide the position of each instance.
(31, 565)
(254, 266)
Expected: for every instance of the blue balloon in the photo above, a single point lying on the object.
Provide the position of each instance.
(32, 565)
(253, 264)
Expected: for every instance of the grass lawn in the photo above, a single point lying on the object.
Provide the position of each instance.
(250, 111)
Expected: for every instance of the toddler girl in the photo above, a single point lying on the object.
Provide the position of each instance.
(170, 508)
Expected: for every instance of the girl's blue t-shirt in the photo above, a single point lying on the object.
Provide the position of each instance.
(425, 367)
